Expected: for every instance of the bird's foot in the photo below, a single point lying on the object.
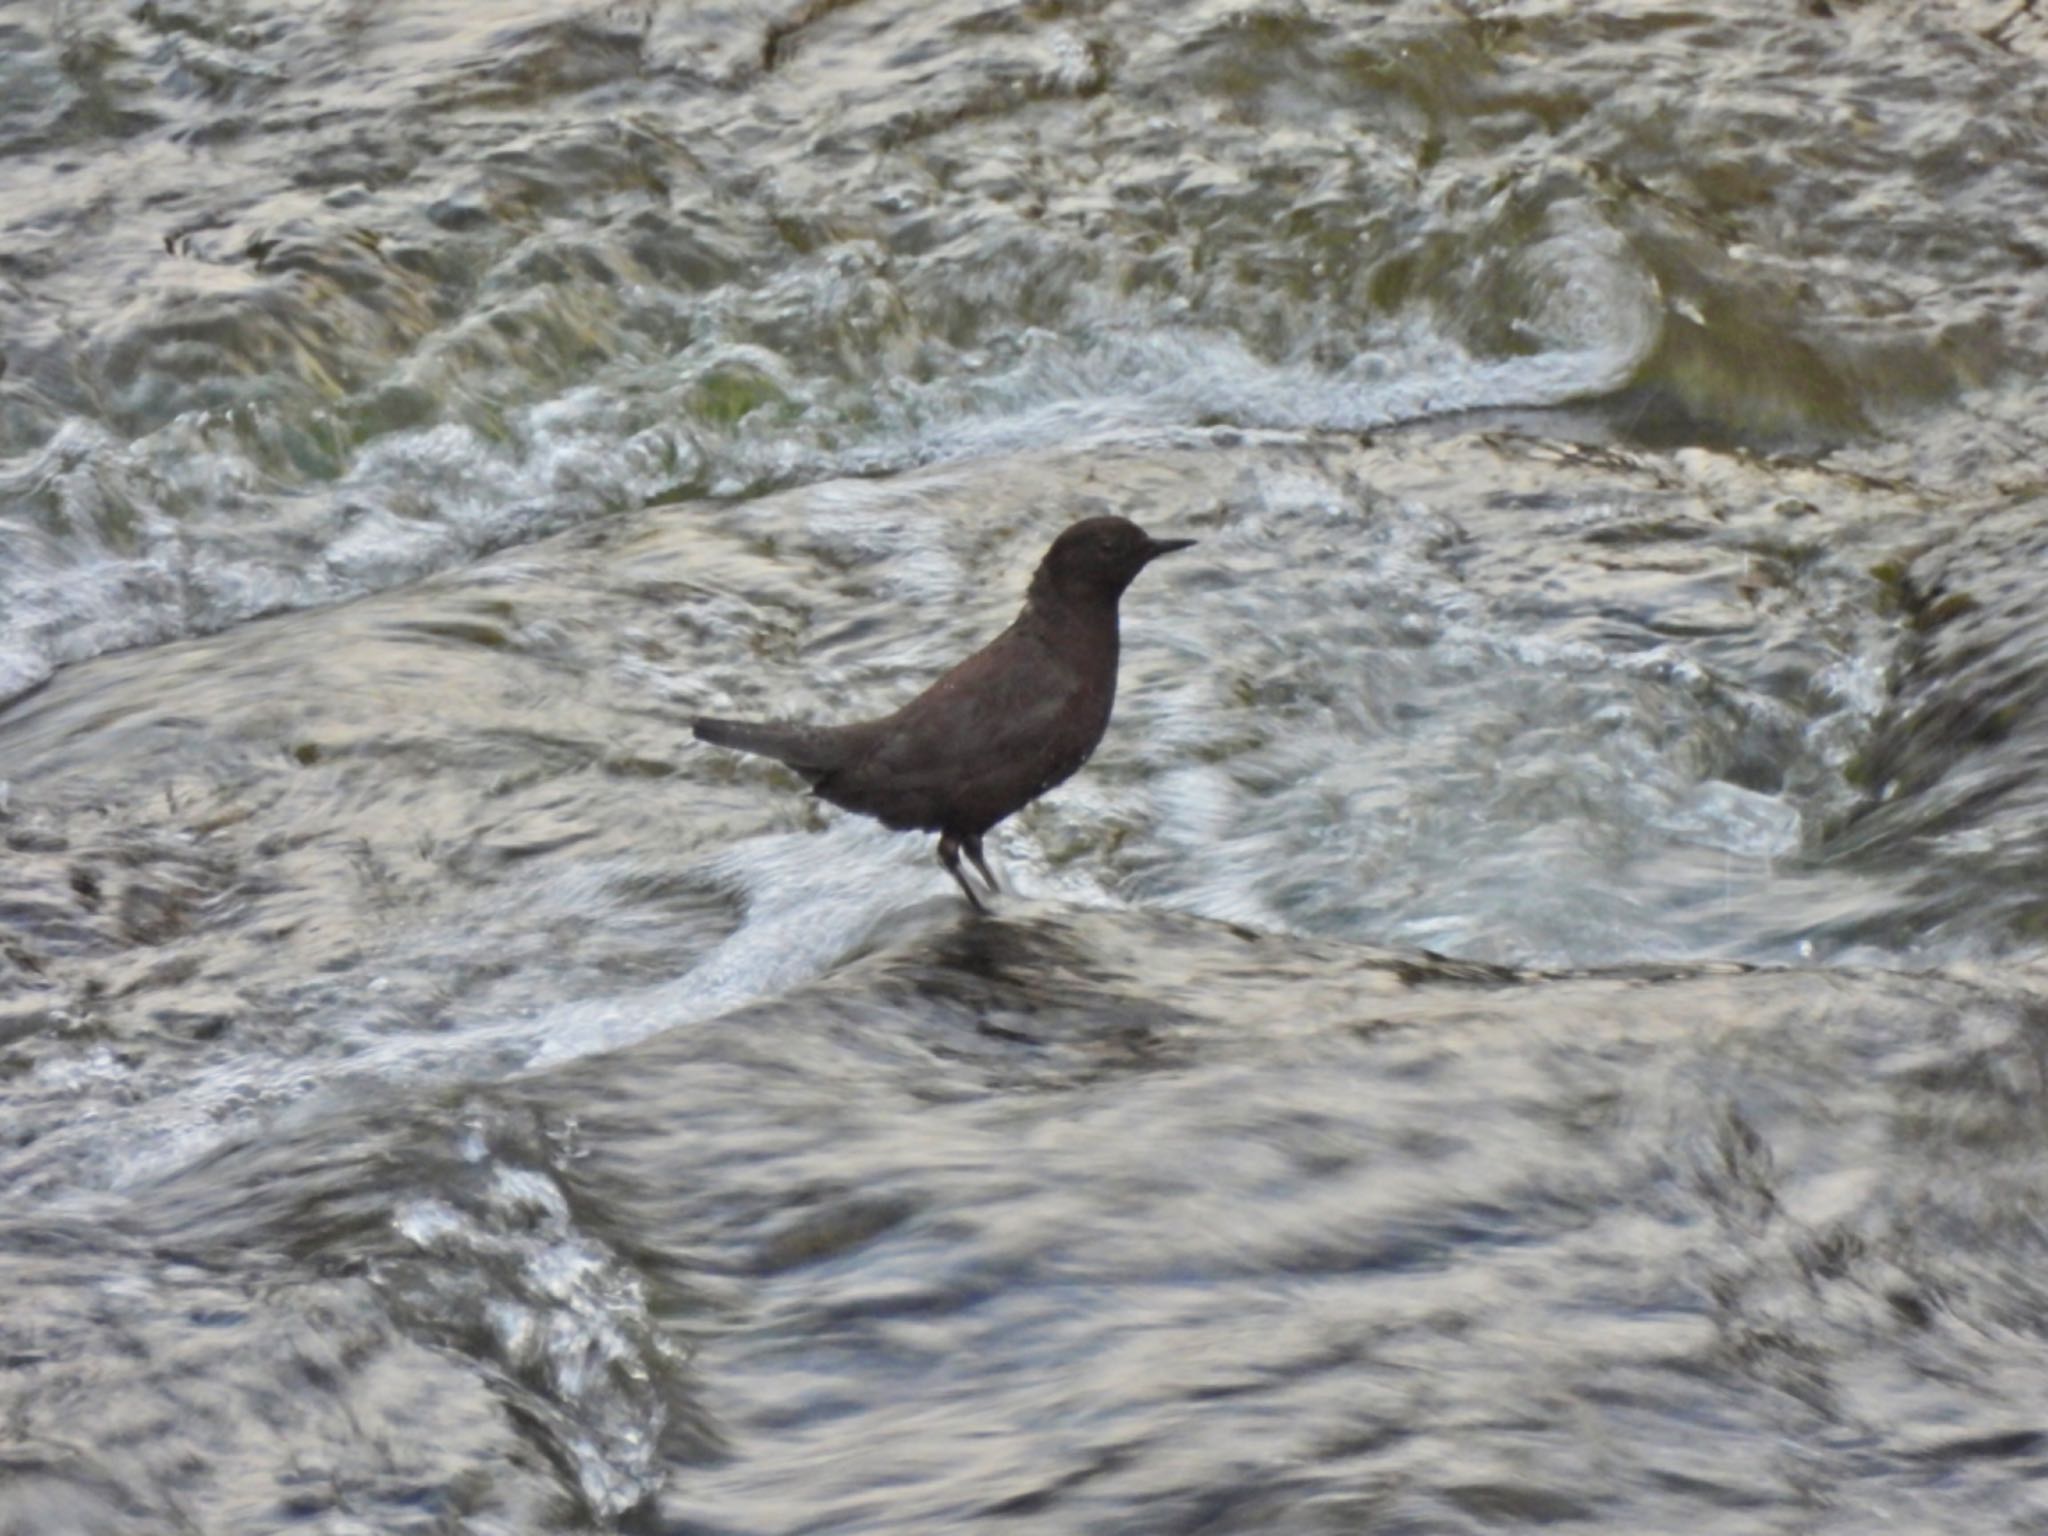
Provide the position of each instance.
(949, 855)
(972, 847)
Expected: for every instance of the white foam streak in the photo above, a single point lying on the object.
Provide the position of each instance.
(106, 545)
(812, 899)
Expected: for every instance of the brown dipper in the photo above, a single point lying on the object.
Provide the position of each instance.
(999, 729)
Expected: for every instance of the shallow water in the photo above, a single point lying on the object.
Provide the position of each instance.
(1533, 1014)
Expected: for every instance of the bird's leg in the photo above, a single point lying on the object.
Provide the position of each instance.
(949, 855)
(973, 847)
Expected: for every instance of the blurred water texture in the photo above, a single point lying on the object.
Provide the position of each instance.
(1534, 1015)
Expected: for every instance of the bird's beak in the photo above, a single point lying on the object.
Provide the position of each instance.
(1167, 547)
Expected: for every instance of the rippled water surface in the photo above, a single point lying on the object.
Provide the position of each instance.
(1533, 1016)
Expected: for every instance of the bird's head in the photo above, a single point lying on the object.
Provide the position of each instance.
(1099, 556)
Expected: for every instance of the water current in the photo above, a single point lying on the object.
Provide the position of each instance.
(1536, 1014)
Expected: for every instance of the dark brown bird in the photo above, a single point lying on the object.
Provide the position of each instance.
(998, 730)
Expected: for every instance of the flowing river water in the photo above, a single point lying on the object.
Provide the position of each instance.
(1535, 1015)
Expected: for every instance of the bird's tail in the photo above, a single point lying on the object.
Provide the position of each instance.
(811, 750)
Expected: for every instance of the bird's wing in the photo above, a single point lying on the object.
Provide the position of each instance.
(964, 730)
(997, 716)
